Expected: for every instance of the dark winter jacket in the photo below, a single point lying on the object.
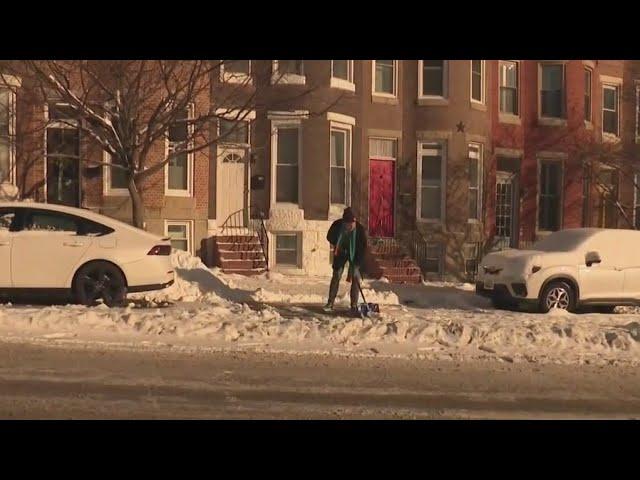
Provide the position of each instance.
(361, 239)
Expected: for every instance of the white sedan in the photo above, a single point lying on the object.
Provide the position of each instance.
(53, 249)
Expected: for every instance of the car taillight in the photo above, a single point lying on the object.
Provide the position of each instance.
(160, 250)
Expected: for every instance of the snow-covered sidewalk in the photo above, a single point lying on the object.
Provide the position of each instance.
(207, 309)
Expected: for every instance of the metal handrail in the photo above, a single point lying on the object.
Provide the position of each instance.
(251, 219)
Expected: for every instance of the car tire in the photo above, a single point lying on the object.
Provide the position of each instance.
(100, 280)
(557, 293)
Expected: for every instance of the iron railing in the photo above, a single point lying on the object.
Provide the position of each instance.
(248, 221)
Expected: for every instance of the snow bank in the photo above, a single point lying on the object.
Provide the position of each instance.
(440, 321)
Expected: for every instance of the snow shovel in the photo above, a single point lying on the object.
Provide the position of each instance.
(365, 308)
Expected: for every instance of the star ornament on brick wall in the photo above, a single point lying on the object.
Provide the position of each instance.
(460, 127)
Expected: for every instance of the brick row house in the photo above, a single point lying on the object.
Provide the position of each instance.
(440, 159)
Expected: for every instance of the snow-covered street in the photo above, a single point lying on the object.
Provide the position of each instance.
(207, 310)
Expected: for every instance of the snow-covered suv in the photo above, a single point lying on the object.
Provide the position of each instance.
(566, 269)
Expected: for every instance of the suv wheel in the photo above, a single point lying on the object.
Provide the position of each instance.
(557, 294)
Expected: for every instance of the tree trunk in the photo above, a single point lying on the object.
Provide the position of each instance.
(137, 205)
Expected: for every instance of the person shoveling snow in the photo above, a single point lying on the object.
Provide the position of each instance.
(348, 241)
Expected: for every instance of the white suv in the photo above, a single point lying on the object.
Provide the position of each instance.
(582, 266)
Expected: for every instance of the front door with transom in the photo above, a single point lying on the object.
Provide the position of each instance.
(232, 187)
(381, 198)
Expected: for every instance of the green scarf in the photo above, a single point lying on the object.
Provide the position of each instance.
(352, 242)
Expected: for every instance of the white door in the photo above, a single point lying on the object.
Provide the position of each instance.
(6, 218)
(47, 250)
(232, 187)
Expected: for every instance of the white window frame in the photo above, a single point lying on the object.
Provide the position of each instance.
(347, 84)
(11, 140)
(236, 77)
(562, 120)
(347, 130)
(590, 71)
(189, 230)
(560, 161)
(106, 178)
(291, 122)
(395, 81)
(509, 115)
(616, 88)
(53, 124)
(287, 78)
(298, 236)
(483, 76)
(169, 192)
(443, 181)
(445, 81)
(479, 188)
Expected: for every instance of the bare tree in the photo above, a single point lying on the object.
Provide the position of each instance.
(128, 107)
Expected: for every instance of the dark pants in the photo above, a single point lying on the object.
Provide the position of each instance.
(338, 269)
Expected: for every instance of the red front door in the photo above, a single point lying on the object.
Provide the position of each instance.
(381, 198)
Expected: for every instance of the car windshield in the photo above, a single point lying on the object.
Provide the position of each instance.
(564, 241)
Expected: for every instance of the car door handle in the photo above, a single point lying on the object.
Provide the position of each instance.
(73, 244)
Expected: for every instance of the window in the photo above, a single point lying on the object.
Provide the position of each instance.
(475, 180)
(340, 159)
(180, 165)
(636, 201)
(431, 179)
(6, 135)
(552, 91)
(509, 87)
(62, 155)
(180, 235)
(550, 195)
(587, 94)
(638, 113)
(287, 249)
(432, 262)
(610, 111)
(294, 67)
(287, 163)
(7, 216)
(385, 81)
(50, 221)
(477, 81)
(382, 148)
(342, 74)
(608, 186)
(433, 78)
(242, 67)
(233, 131)
(342, 69)
(116, 177)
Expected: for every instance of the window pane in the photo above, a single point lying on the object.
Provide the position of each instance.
(337, 148)
(287, 183)
(551, 104)
(4, 112)
(610, 122)
(476, 87)
(290, 66)
(118, 177)
(473, 203)
(51, 222)
(550, 195)
(610, 99)
(63, 142)
(341, 69)
(6, 219)
(432, 77)
(509, 100)
(509, 74)
(431, 169)
(551, 91)
(287, 146)
(431, 197)
(384, 76)
(178, 173)
(473, 172)
(338, 185)
(178, 130)
(4, 159)
(233, 131)
(552, 77)
(236, 66)
(382, 148)
(587, 95)
(286, 257)
(61, 112)
(286, 242)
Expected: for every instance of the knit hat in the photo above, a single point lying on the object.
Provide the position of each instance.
(348, 215)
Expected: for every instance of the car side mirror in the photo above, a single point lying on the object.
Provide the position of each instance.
(591, 258)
